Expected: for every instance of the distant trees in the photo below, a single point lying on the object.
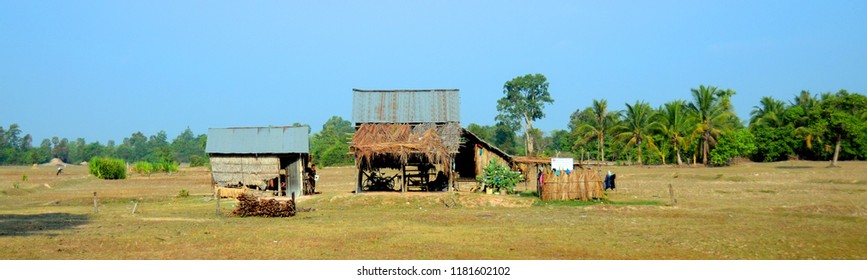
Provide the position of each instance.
(18, 150)
(330, 146)
(594, 122)
(523, 104)
(635, 129)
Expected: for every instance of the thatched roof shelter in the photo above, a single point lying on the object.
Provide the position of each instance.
(392, 145)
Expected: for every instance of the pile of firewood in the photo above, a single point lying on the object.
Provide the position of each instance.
(249, 205)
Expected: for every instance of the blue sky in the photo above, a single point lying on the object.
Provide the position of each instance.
(102, 70)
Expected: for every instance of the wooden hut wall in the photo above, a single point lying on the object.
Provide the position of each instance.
(484, 156)
(581, 184)
(249, 170)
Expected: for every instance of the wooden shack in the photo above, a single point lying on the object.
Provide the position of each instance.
(405, 138)
(270, 160)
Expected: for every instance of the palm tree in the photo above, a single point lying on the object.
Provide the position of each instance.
(598, 124)
(804, 103)
(710, 113)
(770, 113)
(671, 123)
(636, 127)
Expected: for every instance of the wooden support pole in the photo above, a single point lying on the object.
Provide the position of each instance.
(134, 207)
(403, 179)
(95, 203)
(671, 195)
(219, 196)
(358, 183)
(279, 183)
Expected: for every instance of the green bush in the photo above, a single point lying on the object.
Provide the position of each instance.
(143, 167)
(183, 193)
(196, 161)
(107, 168)
(499, 178)
(166, 166)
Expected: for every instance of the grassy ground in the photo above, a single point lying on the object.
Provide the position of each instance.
(788, 210)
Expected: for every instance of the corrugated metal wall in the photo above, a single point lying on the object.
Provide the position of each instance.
(406, 106)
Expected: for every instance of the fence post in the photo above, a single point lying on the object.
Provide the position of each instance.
(671, 195)
(95, 203)
(218, 201)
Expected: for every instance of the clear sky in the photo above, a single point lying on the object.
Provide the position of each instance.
(102, 70)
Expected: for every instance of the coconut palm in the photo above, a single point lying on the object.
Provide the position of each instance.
(802, 104)
(636, 127)
(671, 123)
(769, 113)
(710, 115)
(595, 122)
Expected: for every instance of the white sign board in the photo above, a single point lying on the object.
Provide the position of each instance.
(562, 163)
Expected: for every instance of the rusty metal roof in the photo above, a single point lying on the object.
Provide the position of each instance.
(406, 106)
(258, 140)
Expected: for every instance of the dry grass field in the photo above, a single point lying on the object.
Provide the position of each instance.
(786, 210)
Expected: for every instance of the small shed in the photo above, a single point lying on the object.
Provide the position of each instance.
(271, 159)
(474, 155)
(413, 132)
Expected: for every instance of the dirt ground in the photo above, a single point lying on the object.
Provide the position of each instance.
(785, 210)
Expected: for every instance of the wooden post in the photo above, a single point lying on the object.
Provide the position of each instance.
(218, 201)
(280, 183)
(403, 179)
(671, 195)
(95, 203)
(358, 183)
(134, 207)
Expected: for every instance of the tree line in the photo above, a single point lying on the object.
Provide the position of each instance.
(703, 129)
(16, 149)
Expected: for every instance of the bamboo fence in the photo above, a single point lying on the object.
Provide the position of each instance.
(580, 184)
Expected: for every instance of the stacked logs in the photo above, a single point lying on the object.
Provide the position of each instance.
(249, 205)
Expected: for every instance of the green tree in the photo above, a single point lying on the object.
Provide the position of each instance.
(524, 102)
(771, 112)
(595, 122)
(330, 146)
(732, 144)
(671, 123)
(839, 118)
(710, 114)
(636, 127)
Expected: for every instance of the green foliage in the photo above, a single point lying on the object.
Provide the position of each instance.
(196, 160)
(143, 167)
(330, 146)
(166, 166)
(525, 99)
(107, 168)
(24, 178)
(730, 145)
(499, 178)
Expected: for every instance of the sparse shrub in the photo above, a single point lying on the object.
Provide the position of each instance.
(143, 167)
(24, 178)
(183, 193)
(107, 168)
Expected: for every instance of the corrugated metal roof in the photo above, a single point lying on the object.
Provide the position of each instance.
(406, 106)
(258, 140)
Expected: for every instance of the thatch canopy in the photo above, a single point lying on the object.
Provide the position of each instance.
(392, 145)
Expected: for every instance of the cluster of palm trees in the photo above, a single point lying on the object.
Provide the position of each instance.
(776, 131)
(671, 128)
